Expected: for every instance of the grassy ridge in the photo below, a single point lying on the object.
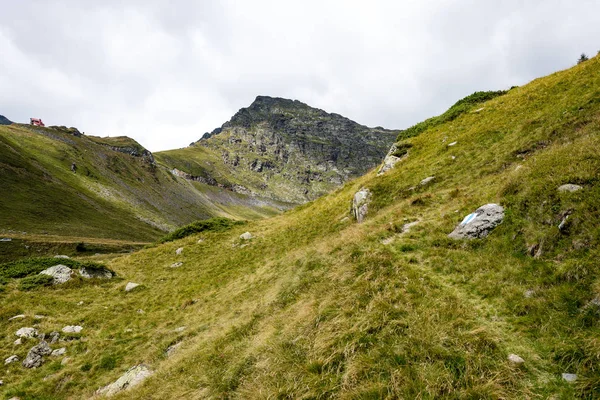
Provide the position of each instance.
(317, 306)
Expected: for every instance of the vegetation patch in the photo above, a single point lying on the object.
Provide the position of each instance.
(218, 224)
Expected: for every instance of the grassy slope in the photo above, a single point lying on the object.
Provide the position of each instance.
(113, 195)
(317, 307)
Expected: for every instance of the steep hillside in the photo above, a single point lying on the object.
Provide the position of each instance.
(316, 305)
(4, 120)
(282, 149)
(56, 181)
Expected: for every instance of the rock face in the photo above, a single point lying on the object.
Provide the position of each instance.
(89, 273)
(60, 273)
(286, 150)
(569, 187)
(480, 223)
(133, 377)
(360, 204)
(35, 357)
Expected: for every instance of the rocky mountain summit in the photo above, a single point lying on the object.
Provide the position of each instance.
(286, 150)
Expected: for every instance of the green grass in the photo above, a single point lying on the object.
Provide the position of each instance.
(316, 306)
(209, 225)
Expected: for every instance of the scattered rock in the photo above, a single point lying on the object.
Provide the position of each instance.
(452, 144)
(18, 342)
(36, 354)
(406, 227)
(180, 329)
(11, 359)
(72, 329)
(246, 236)
(59, 352)
(37, 316)
(480, 223)
(426, 180)
(200, 241)
(515, 359)
(569, 377)
(479, 110)
(62, 256)
(179, 251)
(53, 337)
(80, 303)
(60, 273)
(360, 204)
(173, 348)
(130, 286)
(20, 316)
(26, 332)
(133, 377)
(65, 361)
(140, 311)
(177, 264)
(528, 293)
(569, 187)
(6, 240)
(389, 161)
(1, 382)
(563, 223)
(99, 273)
(387, 241)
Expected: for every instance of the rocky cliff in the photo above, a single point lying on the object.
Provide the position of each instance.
(285, 150)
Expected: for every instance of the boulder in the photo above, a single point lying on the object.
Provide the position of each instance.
(26, 332)
(246, 236)
(133, 377)
(569, 187)
(480, 223)
(11, 359)
(389, 161)
(72, 329)
(360, 204)
(515, 359)
(36, 354)
(179, 251)
(99, 273)
(60, 273)
(130, 286)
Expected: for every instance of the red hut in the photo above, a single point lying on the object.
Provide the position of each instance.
(36, 122)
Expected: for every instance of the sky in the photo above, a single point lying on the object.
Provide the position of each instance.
(165, 72)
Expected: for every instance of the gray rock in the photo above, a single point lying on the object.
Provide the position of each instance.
(515, 359)
(563, 223)
(480, 223)
(569, 377)
(133, 377)
(360, 204)
(100, 273)
(53, 337)
(20, 316)
(406, 227)
(389, 161)
(528, 294)
(36, 354)
(5, 240)
(26, 332)
(176, 265)
(569, 187)
(11, 359)
(58, 352)
(246, 236)
(173, 349)
(62, 256)
(60, 273)
(452, 144)
(426, 180)
(72, 329)
(179, 251)
(130, 286)
(180, 329)
(18, 342)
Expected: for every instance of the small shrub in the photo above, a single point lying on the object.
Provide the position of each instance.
(582, 58)
(34, 281)
(218, 224)
(108, 362)
(86, 367)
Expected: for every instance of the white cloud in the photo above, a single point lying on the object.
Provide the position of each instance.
(166, 72)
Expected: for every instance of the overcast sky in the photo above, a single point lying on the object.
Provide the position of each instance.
(165, 72)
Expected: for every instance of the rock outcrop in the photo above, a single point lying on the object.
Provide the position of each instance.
(360, 204)
(97, 273)
(480, 223)
(36, 354)
(60, 273)
(133, 377)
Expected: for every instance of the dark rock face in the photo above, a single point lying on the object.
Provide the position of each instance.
(286, 150)
(4, 120)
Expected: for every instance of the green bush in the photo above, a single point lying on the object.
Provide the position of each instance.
(34, 281)
(460, 107)
(402, 149)
(218, 224)
(582, 58)
(31, 266)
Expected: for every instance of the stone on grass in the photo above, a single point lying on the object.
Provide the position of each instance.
(99, 273)
(528, 293)
(176, 265)
(515, 359)
(133, 377)
(406, 227)
(426, 180)
(179, 251)
(53, 337)
(360, 204)
(569, 377)
(26, 332)
(452, 144)
(60, 273)
(18, 342)
(569, 187)
(20, 316)
(36, 354)
(59, 352)
(246, 236)
(11, 359)
(62, 256)
(130, 286)
(72, 329)
(480, 223)
(180, 329)
(173, 348)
